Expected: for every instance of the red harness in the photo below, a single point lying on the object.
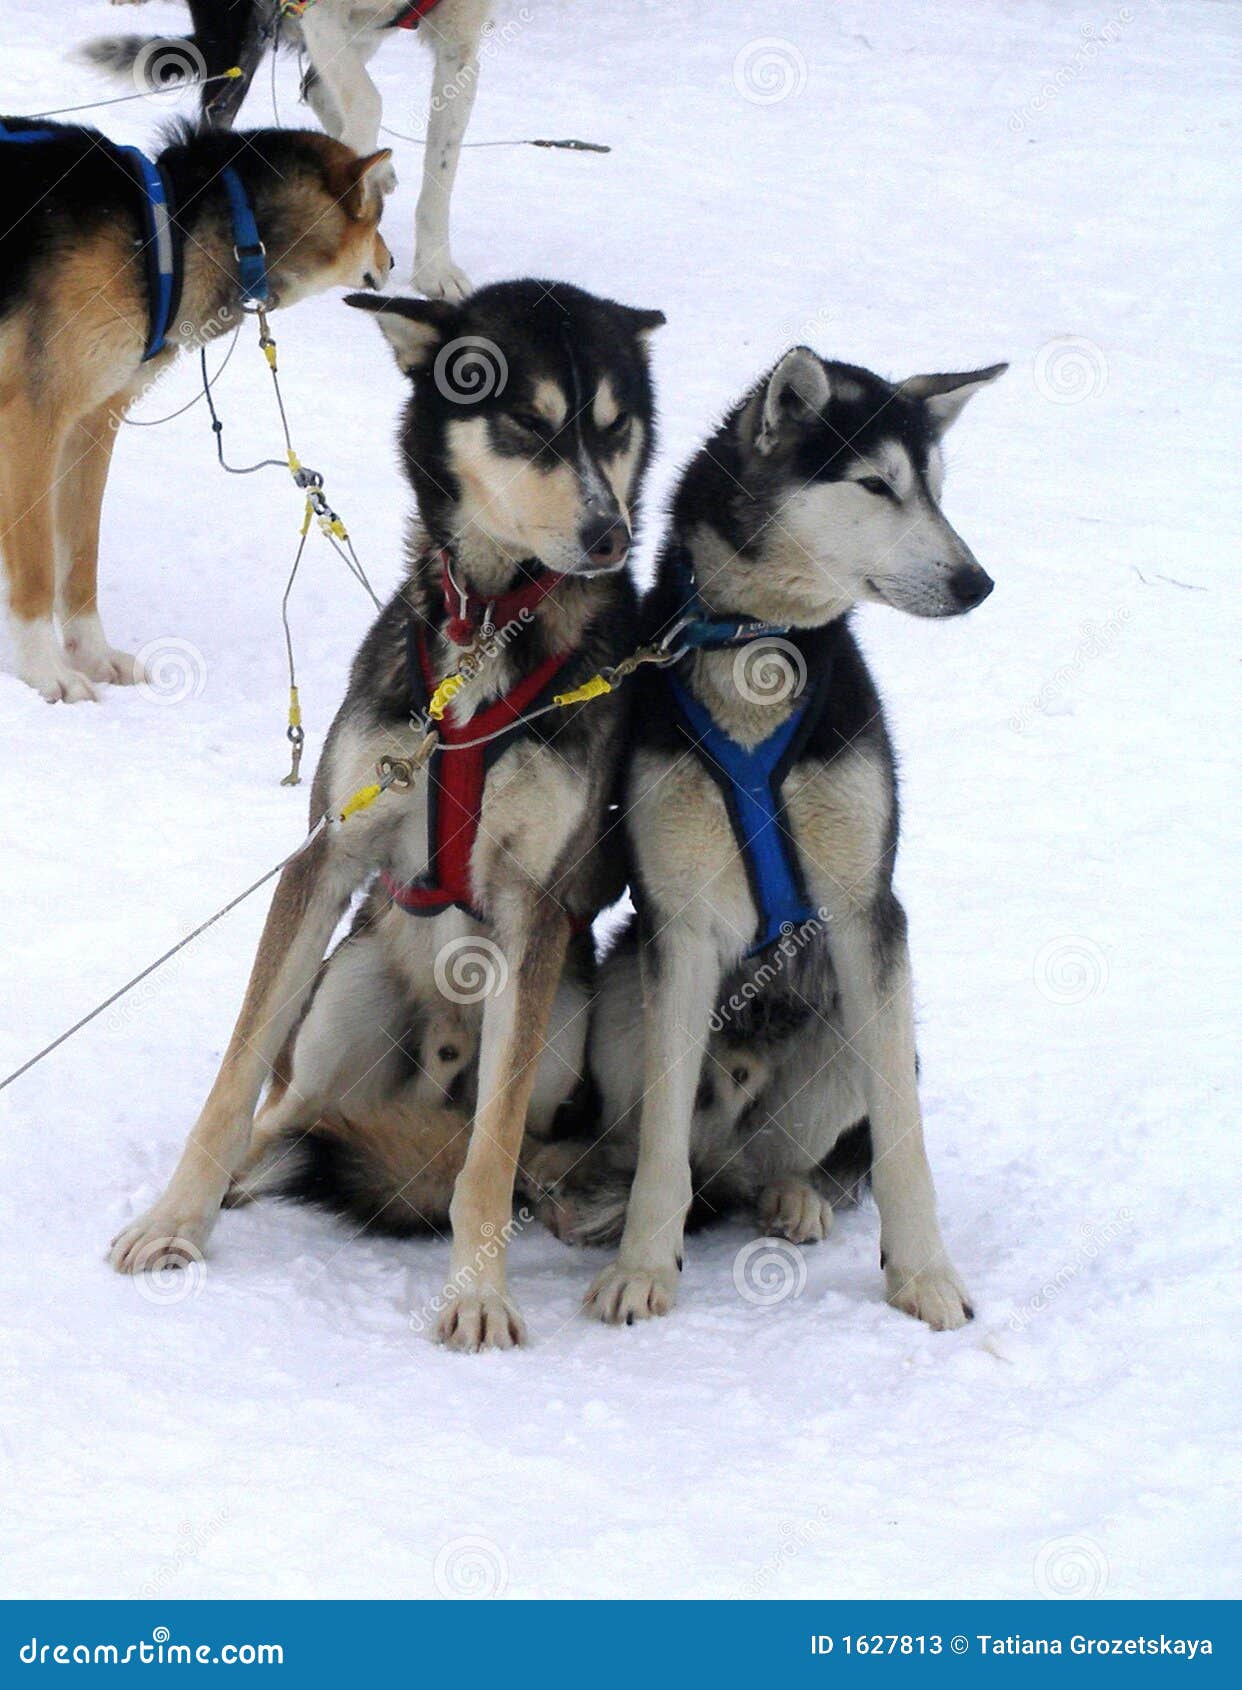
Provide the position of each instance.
(455, 778)
(414, 15)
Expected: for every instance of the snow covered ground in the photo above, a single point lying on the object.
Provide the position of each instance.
(905, 186)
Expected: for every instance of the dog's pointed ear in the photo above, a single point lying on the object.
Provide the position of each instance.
(414, 328)
(352, 185)
(643, 322)
(797, 389)
(944, 397)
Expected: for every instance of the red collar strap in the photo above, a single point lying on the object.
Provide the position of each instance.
(467, 615)
(414, 15)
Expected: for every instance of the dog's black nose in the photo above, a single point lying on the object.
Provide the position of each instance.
(605, 542)
(970, 585)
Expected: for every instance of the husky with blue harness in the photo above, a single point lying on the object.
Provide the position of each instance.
(110, 263)
(762, 817)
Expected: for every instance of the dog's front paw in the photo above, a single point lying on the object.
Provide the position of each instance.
(114, 668)
(793, 1209)
(439, 278)
(58, 682)
(480, 1320)
(935, 1295)
(621, 1295)
(160, 1239)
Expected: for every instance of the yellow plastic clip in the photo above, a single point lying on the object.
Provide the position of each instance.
(295, 709)
(596, 687)
(444, 695)
(365, 795)
(233, 72)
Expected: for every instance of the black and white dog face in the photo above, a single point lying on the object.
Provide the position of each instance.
(531, 420)
(838, 474)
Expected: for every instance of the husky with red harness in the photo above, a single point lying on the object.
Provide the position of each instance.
(526, 440)
(338, 37)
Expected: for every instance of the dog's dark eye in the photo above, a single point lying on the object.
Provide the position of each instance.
(448, 1053)
(739, 1076)
(617, 427)
(875, 484)
(530, 422)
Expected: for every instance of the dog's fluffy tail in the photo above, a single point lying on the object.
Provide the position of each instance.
(393, 1175)
(117, 54)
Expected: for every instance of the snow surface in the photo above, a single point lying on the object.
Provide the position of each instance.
(939, 187)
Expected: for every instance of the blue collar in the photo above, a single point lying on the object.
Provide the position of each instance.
(248, 249)
(159, 249)
(698, 630)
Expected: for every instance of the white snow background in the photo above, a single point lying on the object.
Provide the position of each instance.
(904, 186)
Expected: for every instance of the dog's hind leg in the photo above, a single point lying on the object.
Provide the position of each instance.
(310, 897)
(871, 958)
(30, 456)
(82, 474)
(339, 57)
(477, 1313)
(455, 43)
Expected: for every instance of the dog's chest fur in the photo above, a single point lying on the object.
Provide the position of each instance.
(838, 812)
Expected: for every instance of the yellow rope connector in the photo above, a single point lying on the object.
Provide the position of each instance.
(233, 72)
(444, 695)
(364, 796)
(295, 709)
(596, 687)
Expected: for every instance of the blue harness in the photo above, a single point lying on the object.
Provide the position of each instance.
(163, 246)
(749, 780)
